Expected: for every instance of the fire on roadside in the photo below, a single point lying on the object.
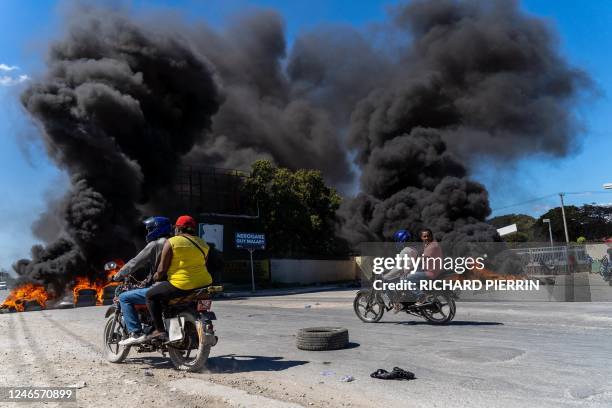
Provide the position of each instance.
(21, 295)
(84, 283)
(30, 292)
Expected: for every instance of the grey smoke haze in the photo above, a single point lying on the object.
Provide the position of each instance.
(123, 103)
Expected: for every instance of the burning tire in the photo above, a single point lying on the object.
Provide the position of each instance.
(31, 306)
(113, 334)
(108, 295)
(86, 297)
(322, 338)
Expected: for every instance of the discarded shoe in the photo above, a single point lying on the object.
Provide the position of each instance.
(377, 373)
(396, 374)
(404, 374)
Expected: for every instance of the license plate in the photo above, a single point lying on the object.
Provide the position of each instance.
(204, 305)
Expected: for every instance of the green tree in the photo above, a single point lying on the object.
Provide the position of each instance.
(593, 222)
(297, 210)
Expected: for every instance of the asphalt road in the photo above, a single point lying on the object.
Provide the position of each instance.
(540, 354)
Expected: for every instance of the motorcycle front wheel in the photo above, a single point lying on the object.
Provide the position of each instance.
(114, 332)
(368, 307)
(442, 309)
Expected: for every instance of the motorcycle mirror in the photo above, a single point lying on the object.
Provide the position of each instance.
(109, 266)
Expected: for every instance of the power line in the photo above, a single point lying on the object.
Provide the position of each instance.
(548, 196)
(533, 200)
(589, 192)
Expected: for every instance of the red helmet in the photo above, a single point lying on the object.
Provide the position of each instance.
(185, 221)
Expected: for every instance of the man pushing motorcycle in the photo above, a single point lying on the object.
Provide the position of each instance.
(159, 230)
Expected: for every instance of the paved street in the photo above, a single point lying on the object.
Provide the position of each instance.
(540, 354)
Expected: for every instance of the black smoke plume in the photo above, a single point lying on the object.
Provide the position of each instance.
(118, 107)
(416, 101)
(263, 116)
(477, 79)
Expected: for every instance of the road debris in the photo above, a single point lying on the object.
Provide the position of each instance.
(79, 385)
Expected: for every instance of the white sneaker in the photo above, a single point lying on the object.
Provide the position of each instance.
(133, 339)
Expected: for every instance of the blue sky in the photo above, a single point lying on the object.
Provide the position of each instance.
(28, 178)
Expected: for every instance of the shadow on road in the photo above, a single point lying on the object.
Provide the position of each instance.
(232, 363)
(453, 323)
(351, 345)
(151, 362)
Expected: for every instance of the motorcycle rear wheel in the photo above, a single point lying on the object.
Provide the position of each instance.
(181, 358)
(112, 350)
(368, 307)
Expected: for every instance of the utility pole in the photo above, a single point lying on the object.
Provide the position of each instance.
(564, 220)
(547, 221)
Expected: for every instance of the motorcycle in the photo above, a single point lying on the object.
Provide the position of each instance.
(370, 305)
(188, 320)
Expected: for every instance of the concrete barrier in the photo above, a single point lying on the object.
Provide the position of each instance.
(306, 271)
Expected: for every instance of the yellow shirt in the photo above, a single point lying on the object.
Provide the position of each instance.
(187, 269)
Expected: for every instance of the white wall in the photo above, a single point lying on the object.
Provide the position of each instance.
(311, 271)
(596, 251)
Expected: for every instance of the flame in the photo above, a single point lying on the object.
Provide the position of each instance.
(20, 295)
(25, 293)
(82, 283)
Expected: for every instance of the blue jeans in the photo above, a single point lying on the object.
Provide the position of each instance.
(416, 278)
(127, 300)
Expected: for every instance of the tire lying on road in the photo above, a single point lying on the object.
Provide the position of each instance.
(322, 338)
